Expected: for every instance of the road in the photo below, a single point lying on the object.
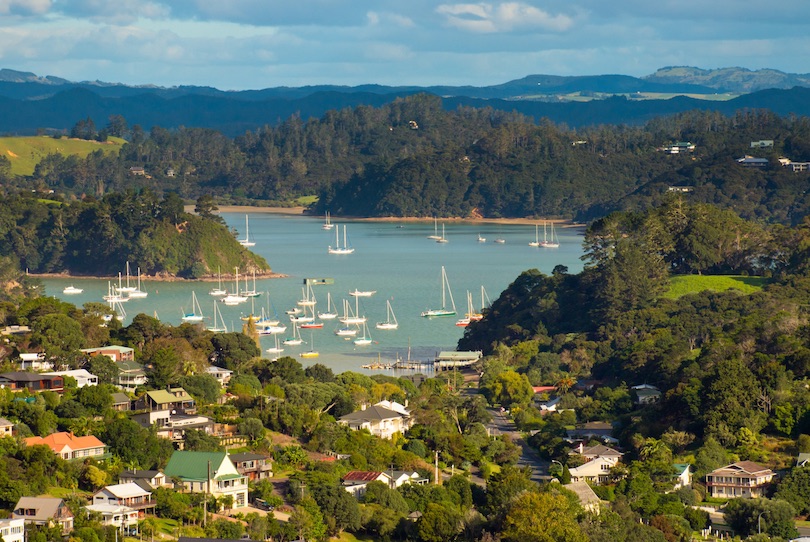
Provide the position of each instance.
(502, 424)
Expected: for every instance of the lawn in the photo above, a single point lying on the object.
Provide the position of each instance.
(26, 152)
(681, 285)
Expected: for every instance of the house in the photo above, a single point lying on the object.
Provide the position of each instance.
(6, 428)
(127, 494)
(741, 479)
(254, 466)
(173, 399)
(12, 530)
(34, 361)
(794, 166)
(751, 161)
(596, 471)
(208, 472)
(679, 147)
(116, 515)
(173, 426)
(47, 511)
(762, 144)
(68, 446)
(34, 382)
(395, 406)
(121, 402)
(456, 359)
(402, 477)
(147, 479)
(682, 189)
(378, 420)
(589, 430)
(600, 450)
(587, 498)
(223, 376)
(113, 351)
(131, 375)
(550, 405)
(134, 170)
(355, 481)
(683, 475)
(646, 394)
(83, 377)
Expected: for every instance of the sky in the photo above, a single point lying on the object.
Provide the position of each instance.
(254, 44)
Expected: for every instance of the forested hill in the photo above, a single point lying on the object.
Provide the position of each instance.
(713, 355)
(98, 237)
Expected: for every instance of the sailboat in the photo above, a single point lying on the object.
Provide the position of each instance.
(536, 242)
(295, 340)
(550, 241)
(113, 296)
(127, 288)
(330, 313)
(471, 315)
(196, 314)
(442, 239)
(219, 323)
(327, 225)
(246, 242)
(390, 319)
(307, 297)
(362, 293)
(277, 349)
(443, 311)
(435, 235)
(219, 291)
(247, 292)
(137, 293)
(481, 239)
(234, 298)
(484, 305)
(350, 317)
(365, 338)
(312, 353)
(337, 249)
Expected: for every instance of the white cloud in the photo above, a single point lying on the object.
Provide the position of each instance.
(504, 17)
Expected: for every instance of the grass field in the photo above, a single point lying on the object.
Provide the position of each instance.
(26, 152)
(680, 285)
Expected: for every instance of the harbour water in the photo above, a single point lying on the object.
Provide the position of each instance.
(395, 259)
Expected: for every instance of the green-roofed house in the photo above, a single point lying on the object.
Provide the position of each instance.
(208, 472)
(176, 399)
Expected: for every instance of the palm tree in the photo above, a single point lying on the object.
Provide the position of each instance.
(565, 383)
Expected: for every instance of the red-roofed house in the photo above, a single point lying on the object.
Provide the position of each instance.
(741, 479)
(544, 389)
(69, 446)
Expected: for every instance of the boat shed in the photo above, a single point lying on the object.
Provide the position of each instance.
(456, 359)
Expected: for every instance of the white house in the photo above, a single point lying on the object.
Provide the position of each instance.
(596, 471)
(208, 472)
(127, 494)
(34, 361)
(683, 475)
(646, 394)
(116, 515)
(6, 428)
(223, 376)
(83, 377)
(355, 481)
(378, 420)
(12, 530)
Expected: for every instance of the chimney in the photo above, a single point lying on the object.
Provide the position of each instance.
(581, 447)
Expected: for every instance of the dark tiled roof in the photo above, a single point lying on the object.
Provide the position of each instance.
(372, 413)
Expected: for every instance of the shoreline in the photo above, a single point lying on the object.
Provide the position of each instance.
(151, 278)
(301, 211)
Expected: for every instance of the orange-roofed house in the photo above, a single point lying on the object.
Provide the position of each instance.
(68, 446)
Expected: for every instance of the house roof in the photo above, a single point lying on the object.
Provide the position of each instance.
(246, 456)
(139, 474)
(396, 407)
(25, 376)
(373, 413)
(543, 389)
(60, 441)
(744, 467)
(45, 507)
(584, 492)
(116, 347)
(363, 476)
(161, 397)
(680, 468)
(4, 422)
(194, 465)
(120, 398)
(130, 367)
(126, 490)
(601, 450)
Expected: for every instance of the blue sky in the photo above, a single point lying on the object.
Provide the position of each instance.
(252, 44)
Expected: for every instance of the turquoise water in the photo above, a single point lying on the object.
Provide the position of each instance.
(394, 258)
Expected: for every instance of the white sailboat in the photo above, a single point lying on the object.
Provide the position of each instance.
(442, 239)
(112, 295)
(196, 314)
(549, 241)
(327, 225)
(481, 239)
(346, 331)
(246, 242)
(338, 249)
(121, 287)
(329, 313)
(390, 318)
(219, 291)
(435, 235)
(470, 315)
(295, 340)
(137, 293)
(349, 317)
(536, 242)
(307, 297)
(218, 322)
(248, 292)
(234, 298)
(444, 310)
(277, 349)
(365, 338)
(362, 293)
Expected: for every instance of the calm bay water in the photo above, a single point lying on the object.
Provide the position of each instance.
(394, 258)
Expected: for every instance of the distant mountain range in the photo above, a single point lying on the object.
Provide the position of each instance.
(29, 102)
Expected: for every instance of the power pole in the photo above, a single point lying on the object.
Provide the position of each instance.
(436, 468)
(207, 492)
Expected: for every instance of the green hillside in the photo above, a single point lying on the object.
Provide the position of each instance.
(26, 152)
(691, 284)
